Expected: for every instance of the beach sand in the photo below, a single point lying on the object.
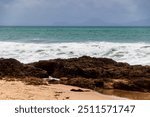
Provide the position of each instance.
(17, 90)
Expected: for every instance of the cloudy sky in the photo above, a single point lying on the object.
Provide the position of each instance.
(75, 12)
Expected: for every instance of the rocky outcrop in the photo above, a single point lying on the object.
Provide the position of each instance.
(84, 82)
(86, 72)
(92, 73)
(13, 68)
(95, 68)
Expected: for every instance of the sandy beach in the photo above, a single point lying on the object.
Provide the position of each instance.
(17, 90)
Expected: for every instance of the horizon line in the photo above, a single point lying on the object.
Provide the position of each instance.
(74, 26)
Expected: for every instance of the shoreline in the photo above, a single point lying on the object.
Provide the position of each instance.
(84, 72)
(17, 90)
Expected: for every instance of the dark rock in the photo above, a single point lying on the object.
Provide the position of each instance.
(84, 83)
(86, 72)
(89, 72)
(98, 83)
(35, 72)
(89, 67)
(143, 84)
(82, 67)
(13, 68)
(77, 90)
(126, 86)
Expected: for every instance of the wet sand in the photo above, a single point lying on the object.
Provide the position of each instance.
(17, 90)
(135, 95)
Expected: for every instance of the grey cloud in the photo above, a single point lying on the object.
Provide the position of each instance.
(5, 1)
(74, 12)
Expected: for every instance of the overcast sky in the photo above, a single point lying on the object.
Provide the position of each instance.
(75, 12)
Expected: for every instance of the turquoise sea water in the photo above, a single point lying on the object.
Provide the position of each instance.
(28, 44)
(74, 34)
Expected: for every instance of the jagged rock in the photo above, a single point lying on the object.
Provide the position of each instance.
(84, 83)
(143, 84)
(13, 68)
(89, 72)
(89, 67)
(126, 86)
(86, 72)
(82, 67)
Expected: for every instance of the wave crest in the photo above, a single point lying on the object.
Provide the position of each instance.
(133, 53)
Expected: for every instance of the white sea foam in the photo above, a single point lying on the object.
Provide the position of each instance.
(133, 53)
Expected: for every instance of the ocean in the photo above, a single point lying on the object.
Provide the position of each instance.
(31, 44)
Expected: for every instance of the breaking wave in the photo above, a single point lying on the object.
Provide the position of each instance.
(133, 53)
